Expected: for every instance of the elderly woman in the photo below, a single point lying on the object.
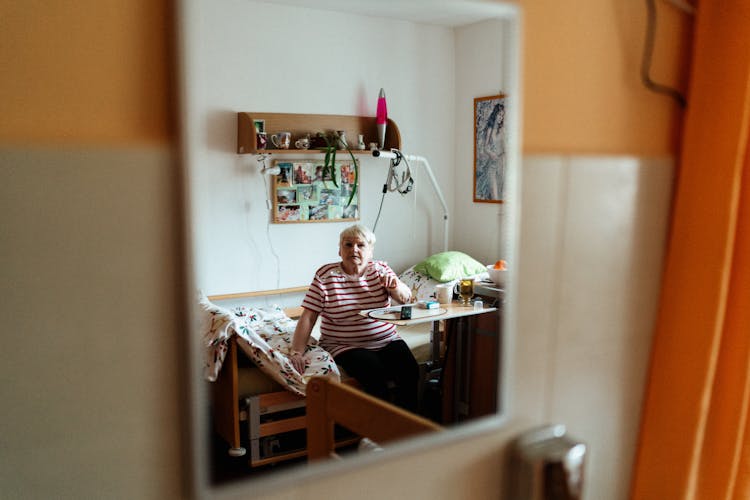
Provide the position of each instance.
(367, 349)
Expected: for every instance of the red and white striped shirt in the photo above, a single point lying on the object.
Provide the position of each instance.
(338, 298)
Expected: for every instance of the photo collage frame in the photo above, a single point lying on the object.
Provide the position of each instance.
(302, 193)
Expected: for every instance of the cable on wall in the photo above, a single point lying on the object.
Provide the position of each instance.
(269, 205)
(648, 49)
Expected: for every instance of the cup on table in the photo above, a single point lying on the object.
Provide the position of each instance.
(444, 293)
(281, 140)
(465, 290)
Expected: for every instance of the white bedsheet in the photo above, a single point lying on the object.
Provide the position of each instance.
(265, 335)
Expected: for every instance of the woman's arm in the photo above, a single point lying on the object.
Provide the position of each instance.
(299, 341)
(396, 288)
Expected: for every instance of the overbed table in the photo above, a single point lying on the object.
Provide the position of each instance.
(469, 372)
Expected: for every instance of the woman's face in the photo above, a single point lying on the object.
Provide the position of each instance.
(500, 120)
(355, 253)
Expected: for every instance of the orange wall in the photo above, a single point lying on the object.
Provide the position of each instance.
(581, 80)
(99, 71)
(85, 71)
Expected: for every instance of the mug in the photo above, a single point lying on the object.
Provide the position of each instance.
(302, 143)
(281, 140)
(444, 293)
(343, 143)
(465, 290)
(261, 140)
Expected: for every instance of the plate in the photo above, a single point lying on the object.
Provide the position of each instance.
(390, 314)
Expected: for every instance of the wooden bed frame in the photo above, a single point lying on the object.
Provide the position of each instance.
(229, 411)
(277, 412)
(266, 414)
(330, 403)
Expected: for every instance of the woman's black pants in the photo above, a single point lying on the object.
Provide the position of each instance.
(391, 374)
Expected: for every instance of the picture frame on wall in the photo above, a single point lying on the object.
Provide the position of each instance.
(489, 149)
(260, 125)
(303, 192)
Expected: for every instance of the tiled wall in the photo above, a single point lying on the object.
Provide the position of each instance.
(94, 335)
(592, 243)
(91, 301)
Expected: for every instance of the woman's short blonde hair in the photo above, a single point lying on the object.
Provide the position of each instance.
(358, 230)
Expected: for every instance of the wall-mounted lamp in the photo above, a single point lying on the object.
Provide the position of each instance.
(266, 170)
(396, 156)
(270, 170)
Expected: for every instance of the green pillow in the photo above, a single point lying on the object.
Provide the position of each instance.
(449, 266)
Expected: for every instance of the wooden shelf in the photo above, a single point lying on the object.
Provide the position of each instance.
(301, 124)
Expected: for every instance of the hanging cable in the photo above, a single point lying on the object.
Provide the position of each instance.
(382, 198)
(648, 49)
(269, 206)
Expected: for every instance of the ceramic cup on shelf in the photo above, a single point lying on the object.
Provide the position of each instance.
(302, 143)
(343, 143)
(281, 140)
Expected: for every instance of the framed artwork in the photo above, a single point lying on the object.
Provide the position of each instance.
(260, 125)
(303, 192)
(489, 148)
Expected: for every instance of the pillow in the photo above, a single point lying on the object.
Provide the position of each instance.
(448, 266)
(420, 284)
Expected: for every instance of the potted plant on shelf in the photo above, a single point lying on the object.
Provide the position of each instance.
(333, 140)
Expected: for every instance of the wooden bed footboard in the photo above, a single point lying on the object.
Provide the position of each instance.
(330, 403)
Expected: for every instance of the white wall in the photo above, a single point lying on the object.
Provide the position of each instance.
(259, 57)
(481, 70)
(593, 236)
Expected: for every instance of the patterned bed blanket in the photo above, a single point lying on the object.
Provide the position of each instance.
(265, 335)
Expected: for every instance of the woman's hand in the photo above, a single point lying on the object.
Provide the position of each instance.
(395, 288)
(298, 362)
(299, 340)
(390, 282)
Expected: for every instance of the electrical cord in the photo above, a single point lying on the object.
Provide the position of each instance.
(648, 49)
(269, 206)
(382, 197)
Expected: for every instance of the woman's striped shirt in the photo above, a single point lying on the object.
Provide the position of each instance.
(338, 298)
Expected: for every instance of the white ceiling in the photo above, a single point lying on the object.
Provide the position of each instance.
(439, 12)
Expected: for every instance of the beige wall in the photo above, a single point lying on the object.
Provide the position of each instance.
(91, 244)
